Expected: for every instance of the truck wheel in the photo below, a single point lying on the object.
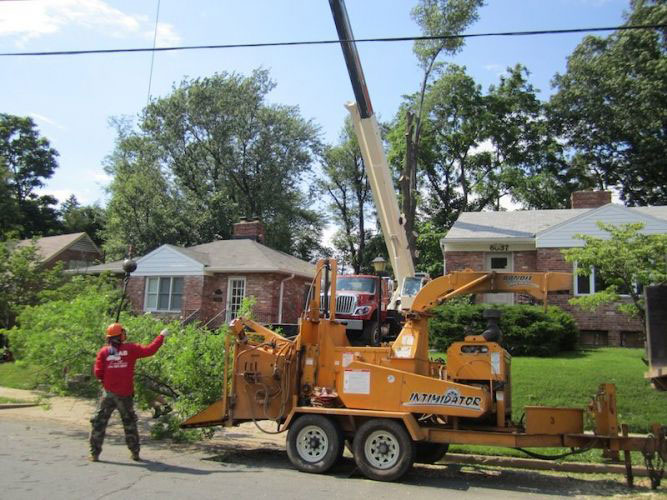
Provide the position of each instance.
(314, 443)
(430, 453)
(371, 335)
(383, 449)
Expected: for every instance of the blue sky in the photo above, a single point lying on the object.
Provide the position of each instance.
(71, 98)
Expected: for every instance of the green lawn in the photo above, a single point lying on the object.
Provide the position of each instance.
(4, 400)
(571, 379)
(19, 376)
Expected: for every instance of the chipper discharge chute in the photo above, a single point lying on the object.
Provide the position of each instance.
(391, 402)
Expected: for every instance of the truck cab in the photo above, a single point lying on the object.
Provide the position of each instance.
(362, 300)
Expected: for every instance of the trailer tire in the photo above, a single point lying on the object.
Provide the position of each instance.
(430, 453)
(314, 443)
(383, 449)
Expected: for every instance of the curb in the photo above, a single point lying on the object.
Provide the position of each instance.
(528, 463)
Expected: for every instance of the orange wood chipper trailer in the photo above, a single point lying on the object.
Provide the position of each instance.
(392, 403)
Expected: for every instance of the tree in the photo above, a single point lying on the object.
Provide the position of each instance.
(144, 210)
(625, 262)
(477, 148)
(26, 160)
(22, 280)
(345, 183)
(77, 218)
(610, 107)
(220, 151)
(435, 18)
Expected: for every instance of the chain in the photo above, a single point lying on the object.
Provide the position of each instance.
(654, 461)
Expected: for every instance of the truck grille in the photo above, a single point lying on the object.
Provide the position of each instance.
(345, 304)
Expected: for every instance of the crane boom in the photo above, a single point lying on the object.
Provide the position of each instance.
(375, 160)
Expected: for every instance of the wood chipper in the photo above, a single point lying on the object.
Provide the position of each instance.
(392, 403)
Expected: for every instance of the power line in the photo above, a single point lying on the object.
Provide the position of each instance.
(329, 42)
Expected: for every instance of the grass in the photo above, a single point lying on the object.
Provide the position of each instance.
(19, 375)
(4, 400)
(571, 379)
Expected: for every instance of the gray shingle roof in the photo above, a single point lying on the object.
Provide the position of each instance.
(233, 256)
(516, 224)
(521, 223)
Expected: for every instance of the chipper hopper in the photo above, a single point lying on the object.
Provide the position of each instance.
(392, 403)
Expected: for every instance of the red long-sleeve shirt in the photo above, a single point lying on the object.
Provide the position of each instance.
(116, 370)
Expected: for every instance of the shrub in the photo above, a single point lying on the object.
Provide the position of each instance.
(527, 330)
(62, 336)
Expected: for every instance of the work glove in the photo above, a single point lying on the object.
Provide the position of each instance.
(164, 333)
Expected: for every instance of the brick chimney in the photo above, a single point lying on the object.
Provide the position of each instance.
(590, 199)
(248, 230)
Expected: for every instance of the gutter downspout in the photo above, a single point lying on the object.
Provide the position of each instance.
(280, 303)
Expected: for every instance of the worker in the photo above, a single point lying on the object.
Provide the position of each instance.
(114, 368)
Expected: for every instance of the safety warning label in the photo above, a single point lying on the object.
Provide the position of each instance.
(357, 382)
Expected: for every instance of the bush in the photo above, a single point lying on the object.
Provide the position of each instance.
(62, 336)
(527, 330)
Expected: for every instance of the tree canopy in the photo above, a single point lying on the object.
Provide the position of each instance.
(610, 107)
(345, 186)
(26, 161)
(212, 151)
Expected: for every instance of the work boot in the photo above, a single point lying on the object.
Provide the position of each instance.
(93, 458)
(135, 456)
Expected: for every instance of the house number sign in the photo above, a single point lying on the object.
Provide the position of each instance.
(499, 248)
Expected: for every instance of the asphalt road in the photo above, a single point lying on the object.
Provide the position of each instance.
(47, 459)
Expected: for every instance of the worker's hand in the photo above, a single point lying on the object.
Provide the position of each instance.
(164, 333)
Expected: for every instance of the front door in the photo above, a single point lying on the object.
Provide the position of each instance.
(498, 262)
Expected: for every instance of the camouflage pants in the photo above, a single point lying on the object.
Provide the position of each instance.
(105, 407)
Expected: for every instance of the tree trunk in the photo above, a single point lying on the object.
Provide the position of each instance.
(407, 185)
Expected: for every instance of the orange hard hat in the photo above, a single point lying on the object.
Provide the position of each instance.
(115, 329)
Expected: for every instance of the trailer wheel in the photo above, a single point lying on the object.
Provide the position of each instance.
(430, 453)
(314, 443)
(383, 449)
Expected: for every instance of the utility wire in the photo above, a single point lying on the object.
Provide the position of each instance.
(329, 42)
(150, 74)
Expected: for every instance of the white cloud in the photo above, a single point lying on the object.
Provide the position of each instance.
(30, 20)
(166, 35)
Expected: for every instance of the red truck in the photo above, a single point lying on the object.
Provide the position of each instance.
(358, 298)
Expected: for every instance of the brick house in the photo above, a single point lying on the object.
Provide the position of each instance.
(75, 251)
(531, 240)
(208, 282)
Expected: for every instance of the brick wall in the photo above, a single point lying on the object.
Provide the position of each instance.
(458, 261)
(135, 292)
(589, 199)
(525, 261)
(208, 295)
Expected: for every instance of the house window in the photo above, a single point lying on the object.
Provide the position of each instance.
(235, 294)
(164, 293)
(586, 285)
(596, 338)
(632, 339)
